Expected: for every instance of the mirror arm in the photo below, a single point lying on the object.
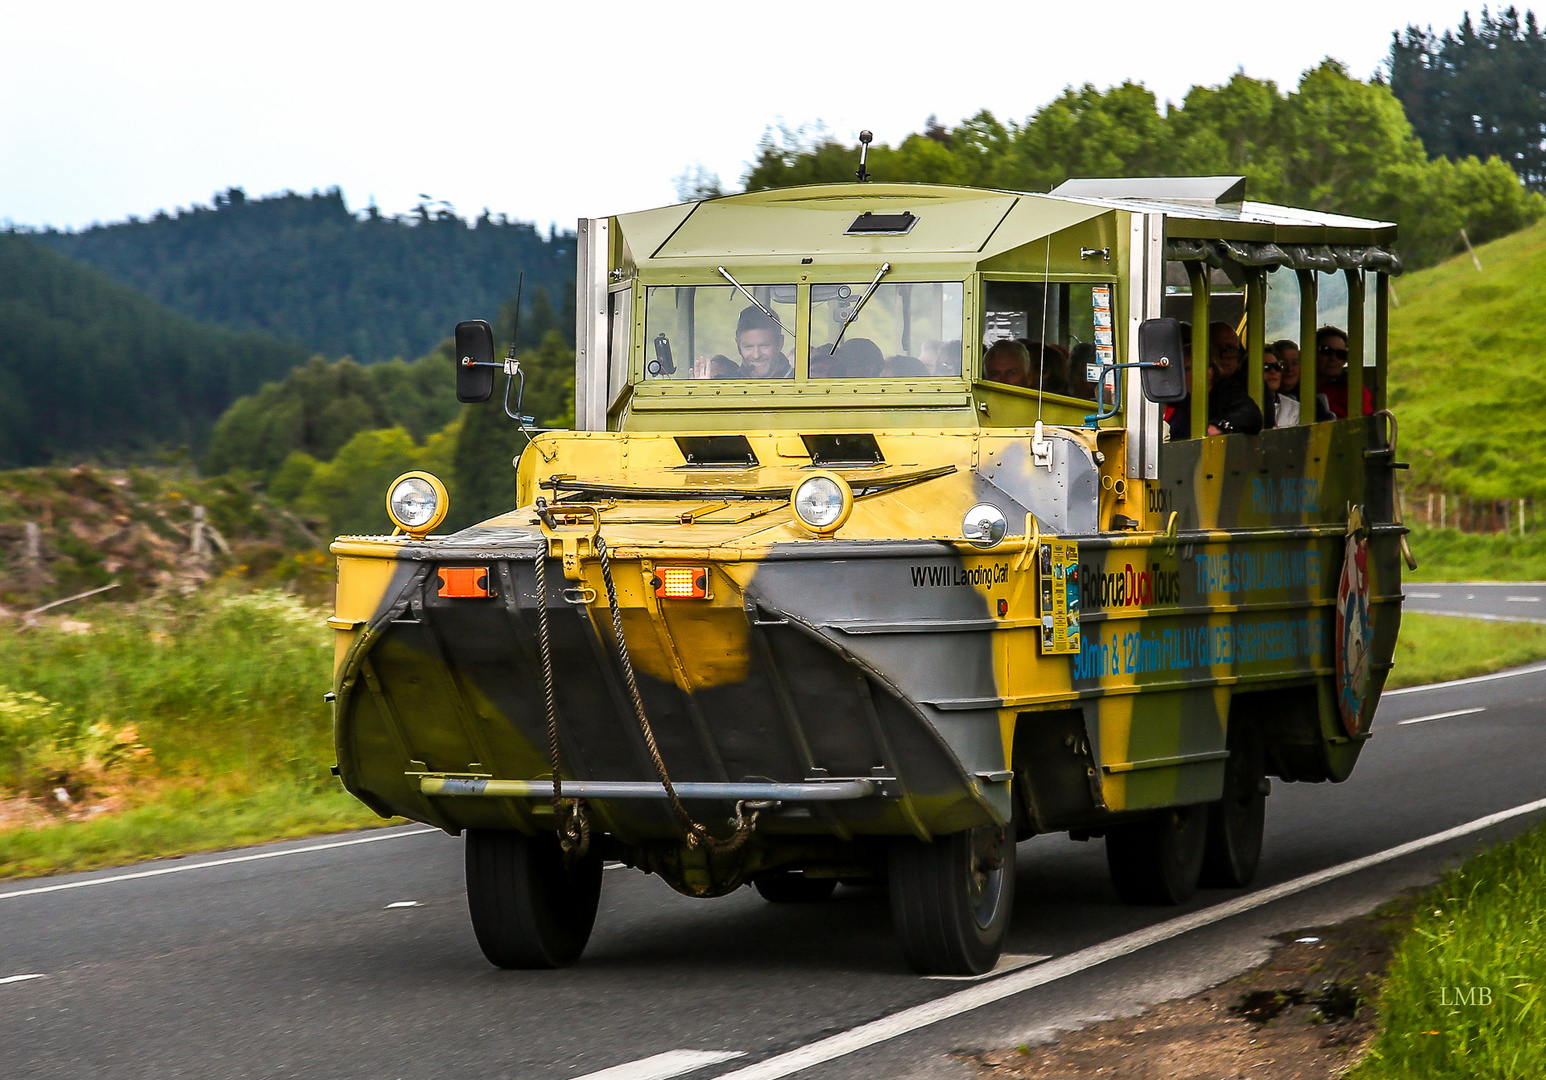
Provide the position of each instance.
(1094, 419)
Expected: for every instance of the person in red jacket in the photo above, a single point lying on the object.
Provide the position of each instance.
(1331, 372)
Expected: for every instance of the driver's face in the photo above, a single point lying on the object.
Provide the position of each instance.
(760, 351)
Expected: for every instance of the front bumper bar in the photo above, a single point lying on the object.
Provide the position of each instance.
(815, 791)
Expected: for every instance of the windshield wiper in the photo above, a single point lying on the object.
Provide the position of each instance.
(885, 268)
(760, 306)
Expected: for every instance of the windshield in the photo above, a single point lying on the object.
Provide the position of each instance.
(717, 332)
(908, 329)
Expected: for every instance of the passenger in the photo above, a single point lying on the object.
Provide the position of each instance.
(1230, 408)
(1007, 362)
(823, 363)
(929, 354)
(722, 367)
(949, 362)
(1178, 414)
(906, 367)
(1331, 372)
(1054, 372)
(859, 358)
(1287, 351)
(1224, 352)
(1280, 410)
(761, 344)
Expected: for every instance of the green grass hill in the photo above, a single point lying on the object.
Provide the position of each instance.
(91, 368)
(1468, 370)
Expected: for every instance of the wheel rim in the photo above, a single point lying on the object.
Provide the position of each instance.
(985, 875)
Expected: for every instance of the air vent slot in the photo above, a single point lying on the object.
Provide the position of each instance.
(717, 451)
(873, 224)
(850, 450)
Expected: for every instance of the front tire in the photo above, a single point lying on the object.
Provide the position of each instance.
(529, 910)
(951, 899)
(793, 888)
(1157, 861)
(1236, 821)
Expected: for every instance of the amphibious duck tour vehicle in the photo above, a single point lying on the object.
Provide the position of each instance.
(827, 588)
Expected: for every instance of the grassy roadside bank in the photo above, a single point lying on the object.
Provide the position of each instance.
(176, 724)
(1465, 996)
(1437, 648)
(1451, 555)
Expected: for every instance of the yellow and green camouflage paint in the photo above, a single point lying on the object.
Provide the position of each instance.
(1085, 667)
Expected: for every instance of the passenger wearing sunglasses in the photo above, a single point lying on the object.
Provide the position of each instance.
(1278, 409)
(1331, 372)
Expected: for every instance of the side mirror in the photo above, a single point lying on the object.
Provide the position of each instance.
(1163, 360)
(474, 348)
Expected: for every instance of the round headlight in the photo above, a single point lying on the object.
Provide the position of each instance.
(823, 502)
(417, 502)
(984, 525)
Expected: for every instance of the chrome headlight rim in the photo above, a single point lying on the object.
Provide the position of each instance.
(442, 504)
(846, 506)
(980, 515)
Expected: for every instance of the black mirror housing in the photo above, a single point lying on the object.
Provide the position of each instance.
(1163, 357)
(474, 345)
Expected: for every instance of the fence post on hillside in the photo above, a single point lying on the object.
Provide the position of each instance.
(1521, 517)
(1442, 509)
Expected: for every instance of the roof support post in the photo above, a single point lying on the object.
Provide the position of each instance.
(1146, 283)
(1355, 343)
(1381, 334)
(1256, 334)
(592, 253)
(1198, 273)
(1309, 291)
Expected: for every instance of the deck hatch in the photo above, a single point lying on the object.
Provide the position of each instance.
(870, 223)
(717, 451)
(830, 450)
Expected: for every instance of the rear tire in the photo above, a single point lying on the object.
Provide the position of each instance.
(528, 909)
(793, 888)
(1235, 822)
(951, 900)
(1157, 861)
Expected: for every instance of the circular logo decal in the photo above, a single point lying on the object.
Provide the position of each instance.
(1354, 634)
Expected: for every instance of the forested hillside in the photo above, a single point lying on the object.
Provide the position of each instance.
(303, 267)
(89, 367)
(1334, 143)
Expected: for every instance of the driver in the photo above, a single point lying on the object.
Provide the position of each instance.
(761, 344)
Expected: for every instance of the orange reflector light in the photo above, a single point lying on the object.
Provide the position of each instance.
(463, 581)
(682, 582)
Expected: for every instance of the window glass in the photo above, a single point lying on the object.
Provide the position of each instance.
(904, 330)
(715, 332)
(1051, 336)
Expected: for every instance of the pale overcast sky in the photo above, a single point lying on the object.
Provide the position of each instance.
(550, 111)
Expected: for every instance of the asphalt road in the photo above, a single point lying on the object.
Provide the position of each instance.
(302, 964)
(1511, 601)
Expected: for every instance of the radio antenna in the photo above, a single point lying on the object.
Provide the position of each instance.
(515, 330)
(864, 149)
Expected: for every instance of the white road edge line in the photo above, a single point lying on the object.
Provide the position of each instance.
(1530, 669)
(963, 1001)
(1443, 715)
(22, 978)
(1522, 599)
(88, 883)
(663, 1066)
